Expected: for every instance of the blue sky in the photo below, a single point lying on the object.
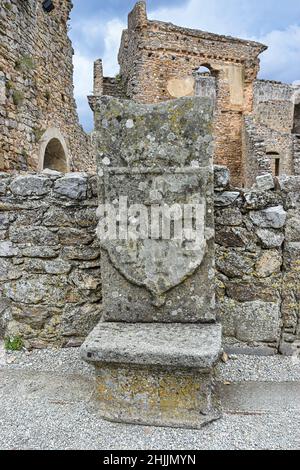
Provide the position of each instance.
(96, 27)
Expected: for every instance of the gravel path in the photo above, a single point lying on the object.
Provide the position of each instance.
(46, 403)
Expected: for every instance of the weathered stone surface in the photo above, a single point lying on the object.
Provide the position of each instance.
(39, 252)
(33, 235)
(73, 236)
(226, 198)
(292, 230)
(251, 321)
(231, 217)
(85, 253)
(234, 264)
(37, 289)
(258, 200)
(7, 250)
(155, 279)
(270, 238)
(249, 291)
(273, 217)
(8, 271)
(5, 220)
(234, 237)
(4, 315)
(86, 279)
(265, 182)
(158, 396)
(79, 320)
(32, 315)
(30, 186)
(57, 267)
(269, 263)
(176, 345)
(221, 177)
(72, 186)
(289, 183)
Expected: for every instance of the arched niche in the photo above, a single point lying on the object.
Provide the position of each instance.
(53, 152)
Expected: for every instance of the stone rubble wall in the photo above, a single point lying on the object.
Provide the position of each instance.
(257, 260)
(36, 85)
(274, 104)
(50, 276)
(50, 281)
(258, 139)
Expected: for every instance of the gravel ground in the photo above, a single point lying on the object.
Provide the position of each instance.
(46, 403)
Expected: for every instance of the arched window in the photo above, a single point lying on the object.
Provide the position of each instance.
(205, 81)
(274, 158)
(296, 127)
(203, 71)
(55, 157)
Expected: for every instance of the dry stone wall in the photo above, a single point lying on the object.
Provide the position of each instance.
(257, 242)
(36, 86)
(50, 281)
(50, 273)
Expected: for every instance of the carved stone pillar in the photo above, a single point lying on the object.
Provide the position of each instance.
(155, 350)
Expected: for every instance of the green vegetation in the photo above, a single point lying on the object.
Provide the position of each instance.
(18, 97)
(7, 6)
(9, 85)
(13, 343)
(47, 95)
(25, 62)
(38, 134)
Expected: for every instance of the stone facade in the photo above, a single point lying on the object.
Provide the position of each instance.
(39, 125)
(50, 280)
(270, 138)
(160, 61)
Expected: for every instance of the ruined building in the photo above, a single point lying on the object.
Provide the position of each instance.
(257, 121)
(39, 126)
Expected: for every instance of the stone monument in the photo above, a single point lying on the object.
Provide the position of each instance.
(154, 351)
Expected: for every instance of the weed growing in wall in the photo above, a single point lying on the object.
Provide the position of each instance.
(13, 343)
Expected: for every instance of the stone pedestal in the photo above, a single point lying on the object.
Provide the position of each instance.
(155, 374)
(155, 350)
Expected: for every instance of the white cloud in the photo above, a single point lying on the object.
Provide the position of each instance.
(92, 32)
(280, 62)
(282, 59)
(239, 18)
(113, 35)
(83, 63)
(217, 16)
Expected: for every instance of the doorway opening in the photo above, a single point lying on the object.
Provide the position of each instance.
(274, 158)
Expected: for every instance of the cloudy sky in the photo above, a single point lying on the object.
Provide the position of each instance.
(96, 27)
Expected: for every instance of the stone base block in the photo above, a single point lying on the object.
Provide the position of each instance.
(155, 397)
(155, 374)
